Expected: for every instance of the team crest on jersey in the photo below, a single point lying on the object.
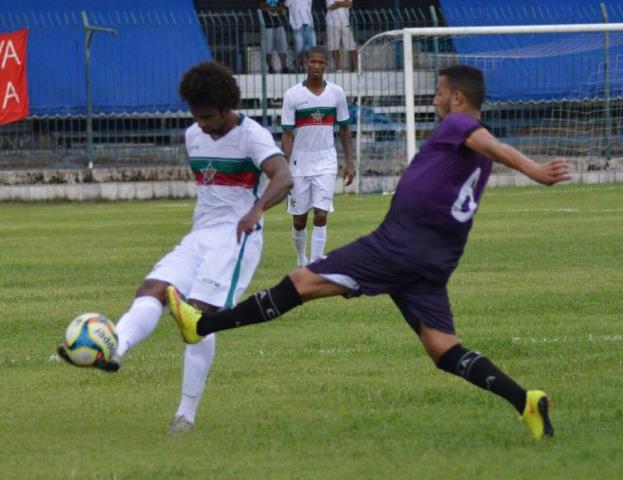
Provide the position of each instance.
(317, 116)
(208, 174)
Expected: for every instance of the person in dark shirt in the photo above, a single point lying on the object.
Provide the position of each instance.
(412, 254)
(274, 39)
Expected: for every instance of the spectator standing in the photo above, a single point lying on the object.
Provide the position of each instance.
(339, 33)
(302, 22)
(275, 40)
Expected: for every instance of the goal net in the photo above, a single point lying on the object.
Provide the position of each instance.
(552, 90)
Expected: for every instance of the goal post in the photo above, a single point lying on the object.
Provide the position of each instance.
(553, 90)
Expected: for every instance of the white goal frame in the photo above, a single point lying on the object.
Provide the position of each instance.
(408, 34)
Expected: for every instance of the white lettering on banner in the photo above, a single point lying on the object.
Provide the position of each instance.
(8, 52)
(9, 93)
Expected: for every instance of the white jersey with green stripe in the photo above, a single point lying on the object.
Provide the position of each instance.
(313, 118)
(228, 170)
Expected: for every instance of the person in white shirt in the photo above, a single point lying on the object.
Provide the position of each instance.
(302, 23)
(214, 263)
(339, 33)
(274, 38)
(310, 111)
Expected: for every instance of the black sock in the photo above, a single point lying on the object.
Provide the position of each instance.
(479, 370)
(260, 307)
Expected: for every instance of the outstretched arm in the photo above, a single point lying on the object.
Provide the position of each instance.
(548, 173)
(277, 170)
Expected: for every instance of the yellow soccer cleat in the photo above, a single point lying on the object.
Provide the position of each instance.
(536, 414)
(185, 315)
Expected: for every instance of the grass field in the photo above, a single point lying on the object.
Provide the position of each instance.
(338, 389)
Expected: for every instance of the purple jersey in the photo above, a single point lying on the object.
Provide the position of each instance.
(431, 212)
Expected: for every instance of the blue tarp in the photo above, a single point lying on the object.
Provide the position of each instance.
(136, 71)
(552, 66)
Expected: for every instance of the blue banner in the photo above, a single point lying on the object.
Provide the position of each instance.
(540, 67)
(135, 71)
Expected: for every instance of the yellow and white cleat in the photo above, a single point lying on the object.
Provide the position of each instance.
(186, 316)
(536, 414)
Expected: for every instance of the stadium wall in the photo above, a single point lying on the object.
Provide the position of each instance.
(174, 182)
(130, 147)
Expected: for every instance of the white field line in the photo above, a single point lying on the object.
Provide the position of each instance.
(549, 191)
(119, 223)
(174, 205)
(561, 210)
(546, 210)
(589, 337)
(54, 358)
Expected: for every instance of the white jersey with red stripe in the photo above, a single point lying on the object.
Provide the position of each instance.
(313, 118)
(228, 170)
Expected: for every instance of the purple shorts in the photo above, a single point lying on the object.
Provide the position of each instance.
(371, 270)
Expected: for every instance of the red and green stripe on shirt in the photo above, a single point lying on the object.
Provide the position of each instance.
(231, 172)
(316, 116)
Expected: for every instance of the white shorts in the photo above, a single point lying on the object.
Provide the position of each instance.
(315, 191)
(335, 33)
(209, 265)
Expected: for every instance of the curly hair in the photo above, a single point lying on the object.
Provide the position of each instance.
(210, 84)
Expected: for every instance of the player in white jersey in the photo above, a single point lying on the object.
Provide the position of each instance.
(310, 111)
(214, 263)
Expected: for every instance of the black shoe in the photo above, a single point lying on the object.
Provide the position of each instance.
(111, 366)
(60, 350)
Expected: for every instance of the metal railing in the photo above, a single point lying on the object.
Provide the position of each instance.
(234, 38)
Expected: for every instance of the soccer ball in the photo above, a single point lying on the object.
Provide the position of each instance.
(90, 337)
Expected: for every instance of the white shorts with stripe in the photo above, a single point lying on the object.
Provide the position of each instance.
(314, 191)
(209, 265)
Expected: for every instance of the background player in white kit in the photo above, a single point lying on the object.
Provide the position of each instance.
(212, 265)
(310, 111)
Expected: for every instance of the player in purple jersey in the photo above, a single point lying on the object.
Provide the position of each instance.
(411, 255)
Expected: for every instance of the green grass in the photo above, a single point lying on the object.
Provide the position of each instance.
(337, 389)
